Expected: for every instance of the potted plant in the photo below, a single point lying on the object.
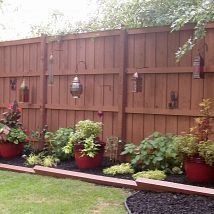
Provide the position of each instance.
(196, 150)
(85, 144)
(12, 135)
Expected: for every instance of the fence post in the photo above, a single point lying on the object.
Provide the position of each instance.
(122, 85)
(43, 84)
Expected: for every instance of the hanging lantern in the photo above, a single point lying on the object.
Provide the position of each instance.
(198, 67)
(76, 88)
(136, 83)
(24, 92)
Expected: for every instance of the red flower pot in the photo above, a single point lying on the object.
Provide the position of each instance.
(86, 162)
(11, 150)
(198, 171)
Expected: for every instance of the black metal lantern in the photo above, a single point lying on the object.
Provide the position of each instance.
(136, 83)
(76, 88)
(198, 67)
(24, 93)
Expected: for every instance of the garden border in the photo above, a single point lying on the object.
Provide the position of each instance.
(140, 184)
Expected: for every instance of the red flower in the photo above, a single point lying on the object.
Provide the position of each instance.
(100, 114)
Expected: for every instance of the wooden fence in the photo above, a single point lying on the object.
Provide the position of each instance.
(110, 59)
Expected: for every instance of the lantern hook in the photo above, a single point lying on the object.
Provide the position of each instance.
(77, 65)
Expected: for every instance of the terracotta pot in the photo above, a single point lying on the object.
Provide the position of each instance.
(86, 162)
(198, 171)
(11, 150)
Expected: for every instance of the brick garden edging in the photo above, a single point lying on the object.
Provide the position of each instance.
(97, 179)
(19, 169)
(165, 186)
(140, 184)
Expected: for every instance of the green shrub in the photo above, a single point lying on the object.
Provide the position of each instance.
(86, 133)
(155, 152)
(187, 145)
(56, 141)
(124, 168)
(151, 174)
(87, 128)
(206, 151)
(196, 143)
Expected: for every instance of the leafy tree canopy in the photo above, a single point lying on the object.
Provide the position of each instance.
(111, 14)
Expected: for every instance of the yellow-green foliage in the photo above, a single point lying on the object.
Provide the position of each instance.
(50, 161)
(124, 168)
(33, 160)
(151, 174)
(206, 150)
(40, 159)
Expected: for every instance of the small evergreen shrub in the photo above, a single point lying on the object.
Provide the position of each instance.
(124, 168)
(151, 174)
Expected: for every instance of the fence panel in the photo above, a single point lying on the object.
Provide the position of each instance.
(105, 63)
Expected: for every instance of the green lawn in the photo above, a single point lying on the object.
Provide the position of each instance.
(23, 193)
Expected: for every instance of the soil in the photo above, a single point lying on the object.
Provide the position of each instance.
(145, 202)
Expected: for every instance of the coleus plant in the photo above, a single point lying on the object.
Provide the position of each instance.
(12, 117)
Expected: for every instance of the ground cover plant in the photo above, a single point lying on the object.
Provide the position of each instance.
(22, 193)
(150, 174)
(124, 168)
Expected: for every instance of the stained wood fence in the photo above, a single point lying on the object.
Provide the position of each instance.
(110, 59)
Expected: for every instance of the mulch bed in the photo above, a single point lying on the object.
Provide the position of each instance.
(147, 202)
(70, 165)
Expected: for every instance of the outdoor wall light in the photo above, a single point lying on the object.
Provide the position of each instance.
(136, 83)
(13, 83)
(198, 67)
(76, 88)
(173, 100)
(24, 92)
